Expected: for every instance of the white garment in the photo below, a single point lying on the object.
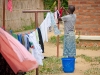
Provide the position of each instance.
(37, 37)
(37, 51)
(56, 15)
(45, 26)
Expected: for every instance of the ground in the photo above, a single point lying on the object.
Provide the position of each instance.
(81, 65)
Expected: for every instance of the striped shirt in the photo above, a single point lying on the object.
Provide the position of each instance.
(69, 22)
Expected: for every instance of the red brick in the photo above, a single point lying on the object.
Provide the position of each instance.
(94, 5)
(76, 2)
(90, 2)
(90, 8)
(83, 2)
(97, 2)
(69, 3)
(78, 22)
(97, 14)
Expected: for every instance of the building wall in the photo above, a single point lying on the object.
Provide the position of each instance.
(88, 16)
(16, 19)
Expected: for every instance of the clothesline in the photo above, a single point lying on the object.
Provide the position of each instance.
(36, 25)
(48, 22)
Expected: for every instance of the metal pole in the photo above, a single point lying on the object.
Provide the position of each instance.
(4, 14)
(58, 35)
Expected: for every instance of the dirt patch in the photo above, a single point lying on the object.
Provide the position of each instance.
(80, 66)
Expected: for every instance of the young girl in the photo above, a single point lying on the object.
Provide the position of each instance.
(69, 36)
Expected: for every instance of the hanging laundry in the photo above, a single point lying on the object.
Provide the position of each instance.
(26, 40)
(61, 11)
(54, 25)
(19, 38)
(48, 21)
(16, 55)
(56, 16)
(37, 37)
(45, 26)
(15, 35)
(37, 51)
(9, 5)
(40, 40)
(23, 42)
(5, 69)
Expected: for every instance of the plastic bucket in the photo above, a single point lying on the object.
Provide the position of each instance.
(68, 65)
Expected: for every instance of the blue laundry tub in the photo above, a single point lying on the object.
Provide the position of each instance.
(68, 65)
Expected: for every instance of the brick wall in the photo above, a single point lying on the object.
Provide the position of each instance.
(88, 16)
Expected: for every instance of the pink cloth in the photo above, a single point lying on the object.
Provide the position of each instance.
(16, 55)
(9, 5)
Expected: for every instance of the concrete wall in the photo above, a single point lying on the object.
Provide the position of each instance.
(16, 19)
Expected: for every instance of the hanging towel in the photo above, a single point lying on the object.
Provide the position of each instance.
(9, 5)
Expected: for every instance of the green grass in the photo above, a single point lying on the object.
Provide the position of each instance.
(89, 59)
(86, 58)
(94, 65)
(51, 65)
(53, 39)
(92, 71)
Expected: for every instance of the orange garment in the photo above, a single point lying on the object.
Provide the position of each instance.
(16, 55)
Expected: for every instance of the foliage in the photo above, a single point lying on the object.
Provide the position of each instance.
(61, 38)
(54, 40)
(50, 4)
(78, 39)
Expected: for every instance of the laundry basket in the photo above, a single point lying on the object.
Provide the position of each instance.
(68, 65)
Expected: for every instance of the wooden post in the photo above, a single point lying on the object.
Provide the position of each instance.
(3, 14)
(36, 19)
(36, 23)
(58, 35)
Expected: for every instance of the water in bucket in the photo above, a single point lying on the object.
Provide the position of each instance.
(68, 65)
